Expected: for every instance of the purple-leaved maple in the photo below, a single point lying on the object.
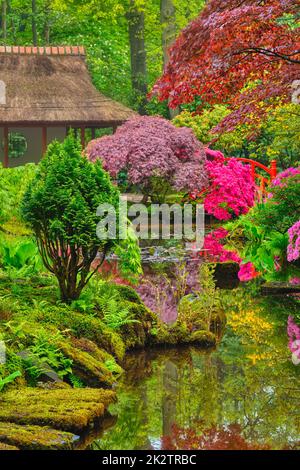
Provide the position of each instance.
(155, 155)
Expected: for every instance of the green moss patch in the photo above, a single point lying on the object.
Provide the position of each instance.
(7, 447)
(65, 409)
(180, 334)
(90, 370)
(36, 437)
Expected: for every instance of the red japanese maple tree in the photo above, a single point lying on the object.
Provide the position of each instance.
(232, 43)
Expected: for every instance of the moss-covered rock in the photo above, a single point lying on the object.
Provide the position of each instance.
(180, 334)
(36, 437)
(86, 326)
(127, 293)
(137, 334)
(68, 410)
(99, 354)
(91, 371)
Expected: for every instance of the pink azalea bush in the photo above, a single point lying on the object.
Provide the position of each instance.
(217, 253)
(293, 250)
(215, 249)
(231, 190)
(152, 147)
(279, 180)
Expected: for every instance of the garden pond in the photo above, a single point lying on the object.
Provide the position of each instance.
(244, 393)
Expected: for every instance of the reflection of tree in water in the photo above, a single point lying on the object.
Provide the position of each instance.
(200, 390)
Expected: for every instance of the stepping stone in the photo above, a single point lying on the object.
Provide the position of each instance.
(35, 438)
(70, 410)
(279, 288)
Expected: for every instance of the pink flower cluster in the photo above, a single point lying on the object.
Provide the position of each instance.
(217, 252)
(151, 146)
(279, 180)
(293, 332)
(231, 190)
(293, 250)
(215, 249)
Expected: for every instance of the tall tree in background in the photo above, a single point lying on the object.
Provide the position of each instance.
(169, 31)
(34, 22)
(168, 22)
(136, 28)
(4, 20)
(243, 53)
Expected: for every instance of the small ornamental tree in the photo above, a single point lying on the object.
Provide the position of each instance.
(60, 206)
(155, 155)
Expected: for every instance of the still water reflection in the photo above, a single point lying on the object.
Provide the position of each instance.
(247, 383)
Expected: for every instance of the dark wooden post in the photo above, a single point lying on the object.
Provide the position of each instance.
(83, 137)
(115, 127)
(93, 129)
(44, 140)
(6, 147)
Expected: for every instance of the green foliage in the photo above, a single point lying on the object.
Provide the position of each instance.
(44, 352)
(20, 258)
(277, 136)
(13, 182)
(114, 314)
(9, 379)
(60, 207)
(204, 310)
(264, 231)
(203, 123)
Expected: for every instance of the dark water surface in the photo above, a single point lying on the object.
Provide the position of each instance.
(248, 384)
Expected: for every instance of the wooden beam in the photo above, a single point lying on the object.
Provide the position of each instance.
(82, 137)
(44, 140)
(6, 147)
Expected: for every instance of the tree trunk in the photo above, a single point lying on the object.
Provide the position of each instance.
(4, 21)
(47, 23)
(33, 22)
(136, 28)
(168, 22)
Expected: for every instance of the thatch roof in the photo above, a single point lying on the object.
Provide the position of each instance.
(52, 86)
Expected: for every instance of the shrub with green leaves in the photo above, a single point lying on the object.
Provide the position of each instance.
(264, 230)
(60, 207)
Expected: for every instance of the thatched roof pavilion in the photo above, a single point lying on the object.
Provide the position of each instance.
(43, 88)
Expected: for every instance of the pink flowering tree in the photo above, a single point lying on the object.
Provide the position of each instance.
(155, 155)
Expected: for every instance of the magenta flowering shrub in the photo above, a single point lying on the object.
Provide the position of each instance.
(215, 249)
(217, 253)
(293, 250)
(231, 190)
(293, 331)
(279, 180)
(247, 272)
(151, 147)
